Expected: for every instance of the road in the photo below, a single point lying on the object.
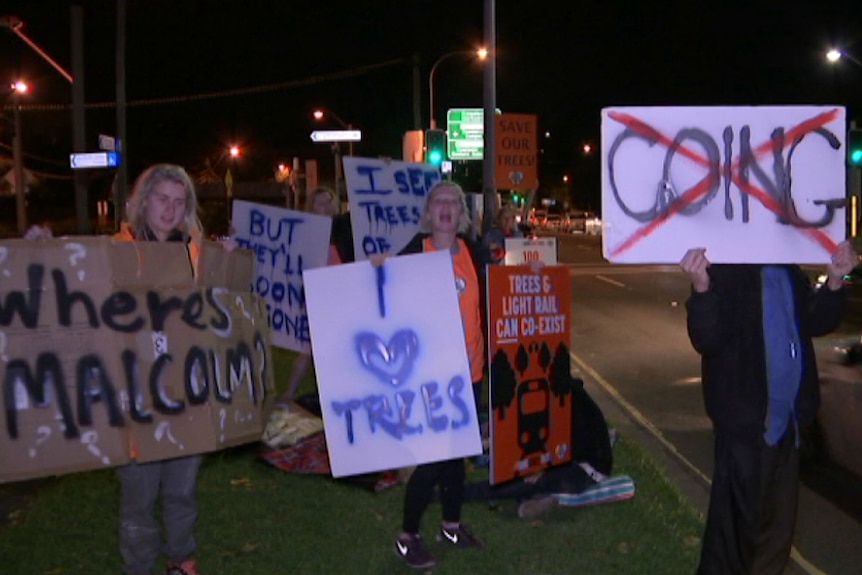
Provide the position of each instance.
(629, 337)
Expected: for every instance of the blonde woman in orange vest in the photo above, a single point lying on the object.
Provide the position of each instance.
(444, 222)
(162, 207)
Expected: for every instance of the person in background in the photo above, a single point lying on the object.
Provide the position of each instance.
(752, 326)
(591, 463)
(323, 202)
(444, 220)
(162, 207)
(505, 227)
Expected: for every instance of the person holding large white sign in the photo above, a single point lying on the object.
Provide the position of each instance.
(752, 324)
(445, 217)
(749, 184)
(387, 198)
(285, 243)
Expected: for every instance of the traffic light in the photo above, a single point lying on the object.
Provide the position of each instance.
(435, 146)
(854, 147)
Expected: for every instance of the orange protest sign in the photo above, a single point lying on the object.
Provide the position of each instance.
(529, 320)
(516, 147)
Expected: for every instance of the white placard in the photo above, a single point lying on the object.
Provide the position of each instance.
(524, 251)
(750, 184)
(391, 363)
(285, 243)
(387, 198)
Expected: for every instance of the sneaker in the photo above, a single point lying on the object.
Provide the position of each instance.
(413, 551)
(536, 506)
(187, 567)
(459, 536)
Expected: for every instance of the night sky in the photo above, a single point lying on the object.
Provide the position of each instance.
(204, 74)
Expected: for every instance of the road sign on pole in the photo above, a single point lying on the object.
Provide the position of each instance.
(94, 160)
(465, 133)
(336, 136)
(107, 143)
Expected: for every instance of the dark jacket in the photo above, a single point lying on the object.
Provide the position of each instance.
(725, 325)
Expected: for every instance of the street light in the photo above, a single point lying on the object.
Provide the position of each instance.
(834, 55)
(320, 114)
(18, 89)
(481, 53)
(14, 24)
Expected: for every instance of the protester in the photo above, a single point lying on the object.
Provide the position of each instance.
(162, 208)
(591, 463)
(323, 202)
(444, 221)
(505, 227)
(752, 325)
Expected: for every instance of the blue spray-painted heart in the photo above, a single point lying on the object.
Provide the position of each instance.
(392, 363)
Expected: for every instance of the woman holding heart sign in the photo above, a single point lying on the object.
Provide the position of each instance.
(444, 221)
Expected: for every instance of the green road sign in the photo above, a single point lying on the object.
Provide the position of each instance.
(465, 129)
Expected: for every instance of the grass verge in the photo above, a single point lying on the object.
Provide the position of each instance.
(256, 519)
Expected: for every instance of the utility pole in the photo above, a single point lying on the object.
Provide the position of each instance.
(489, 183)
(122, 169)
(18, 161)
(79, 139)
(417, 114)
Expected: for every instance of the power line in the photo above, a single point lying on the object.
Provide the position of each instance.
(350, 73)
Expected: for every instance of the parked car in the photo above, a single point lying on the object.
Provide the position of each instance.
(576, 221)
(553, 222)
(839, 422)
(537, 218)
(593, 226)
(583, 222)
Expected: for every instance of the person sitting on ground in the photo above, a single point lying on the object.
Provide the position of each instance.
(592, 463)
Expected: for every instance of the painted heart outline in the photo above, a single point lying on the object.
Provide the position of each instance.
(391, 363)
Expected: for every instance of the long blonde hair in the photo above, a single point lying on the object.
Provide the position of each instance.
(463, 222)
(136, 213)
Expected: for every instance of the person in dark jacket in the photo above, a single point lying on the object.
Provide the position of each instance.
(752, 325)
(591, 463)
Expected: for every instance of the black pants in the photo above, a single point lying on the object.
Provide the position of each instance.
(565, 478)
(752, 508)
(449, 475)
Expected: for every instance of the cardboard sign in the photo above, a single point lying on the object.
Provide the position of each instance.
(285, 243)
(749, 184)
(387, 199)
(391, 362)
(517, 148)
(529, 320)
(524, 251)
(110, 351)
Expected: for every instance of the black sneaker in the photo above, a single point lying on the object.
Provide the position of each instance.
(413, 551)
(459, 537)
